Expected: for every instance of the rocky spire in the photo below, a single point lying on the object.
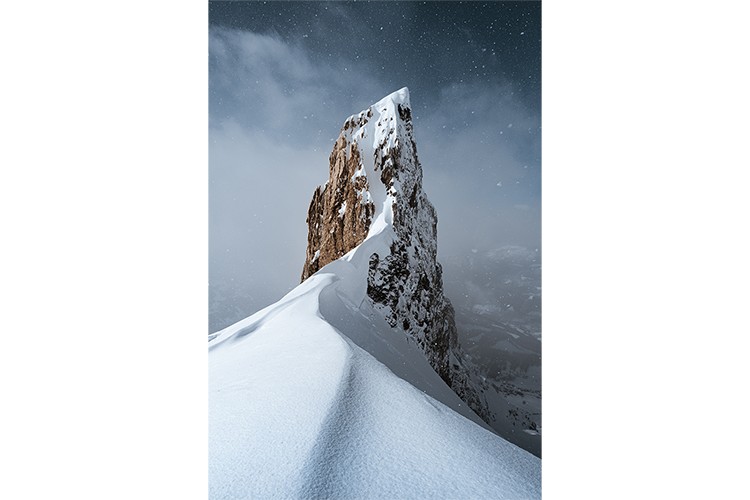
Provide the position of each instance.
(375, 189)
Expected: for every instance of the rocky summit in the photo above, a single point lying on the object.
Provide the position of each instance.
(375, 187)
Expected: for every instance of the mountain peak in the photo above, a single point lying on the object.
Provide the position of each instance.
(373, 163)
(374, 190)
(401, 96)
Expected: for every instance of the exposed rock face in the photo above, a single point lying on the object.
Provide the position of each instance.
(375, 187)
(340, 214)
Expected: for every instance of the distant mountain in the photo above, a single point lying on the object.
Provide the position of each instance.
(228, 304)
(503, 284)
(497, 297)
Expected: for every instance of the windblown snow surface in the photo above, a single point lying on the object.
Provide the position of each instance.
(316, 396)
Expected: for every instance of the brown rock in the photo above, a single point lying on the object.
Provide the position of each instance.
(339, 217)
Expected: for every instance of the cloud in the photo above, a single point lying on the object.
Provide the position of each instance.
(272, 86)
(476, 145)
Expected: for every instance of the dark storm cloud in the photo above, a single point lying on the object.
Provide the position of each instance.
(278, 97)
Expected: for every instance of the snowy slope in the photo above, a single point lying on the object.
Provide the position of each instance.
(299, 410)
(317, 396)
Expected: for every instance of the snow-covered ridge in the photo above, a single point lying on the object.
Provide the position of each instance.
(299, 410)
(349, 386)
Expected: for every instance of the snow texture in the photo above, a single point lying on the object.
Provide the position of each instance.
(298, 410)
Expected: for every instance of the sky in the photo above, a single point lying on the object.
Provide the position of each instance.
(283, 77)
